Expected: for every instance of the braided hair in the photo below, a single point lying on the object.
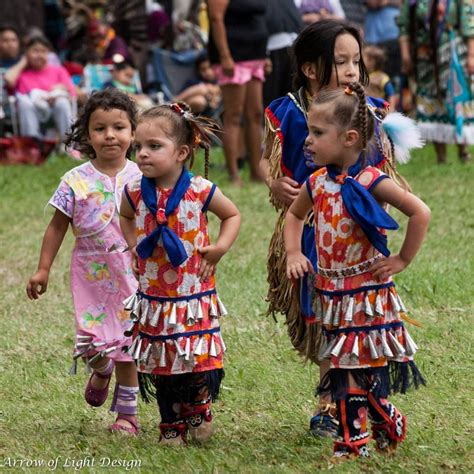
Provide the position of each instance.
(186, 129)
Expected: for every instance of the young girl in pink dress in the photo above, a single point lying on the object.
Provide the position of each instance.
(177, 342)
(369, 350)
(88, 198)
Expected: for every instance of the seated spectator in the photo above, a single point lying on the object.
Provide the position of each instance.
(101, 45)
(202, 94)
(43, 91)
(380, 84)
(315, 10)
(10, 52)
(124, 78)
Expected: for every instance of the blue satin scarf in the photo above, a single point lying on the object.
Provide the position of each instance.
(171, 242)
(363, 207)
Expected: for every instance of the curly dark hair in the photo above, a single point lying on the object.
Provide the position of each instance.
(108, 99)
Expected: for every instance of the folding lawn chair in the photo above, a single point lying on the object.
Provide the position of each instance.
(97, 75)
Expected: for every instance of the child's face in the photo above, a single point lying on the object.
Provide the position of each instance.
(369, 62)
(110, 134)
(346, 61)
(206, 72)
(9, 44)
(325, 139)
(37, 56)
(157, 154)
(124, 76)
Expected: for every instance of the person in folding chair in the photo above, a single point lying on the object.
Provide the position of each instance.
(44, 92)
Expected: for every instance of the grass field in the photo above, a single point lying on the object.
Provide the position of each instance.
(267, 394)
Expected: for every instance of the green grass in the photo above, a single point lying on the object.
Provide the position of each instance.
(267, 394)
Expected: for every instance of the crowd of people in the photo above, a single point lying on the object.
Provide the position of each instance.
(331, 142)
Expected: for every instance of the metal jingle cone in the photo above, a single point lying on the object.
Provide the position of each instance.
(338, 347)
(136, 307)
(213, 348)
(378, 305)
(129, 303)
(220, 305)
(224, 348)
(355, 348)
(173, 320)
(402, 306)
(83, 337)
(387, 352)
(156, 315)
(98, 344)
(146, 353)
(328, 314)
(349, 310)
(96, 356)
(189, 314)
(109, 350)
(323, 347)
(136, 354)
(395, 303)
(368, 307)
(213, 313)
(199, 346)
(131, 349)
(144, 313)
(373, 350)
(337, 314)
(329, 348)
(84, 344)
(410, 345)
(399, 349)
(162, 362)
(179, 349)
(199, 310)
(187, 348)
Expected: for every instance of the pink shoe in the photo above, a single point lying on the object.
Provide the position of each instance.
(131, 430)
(97, 397)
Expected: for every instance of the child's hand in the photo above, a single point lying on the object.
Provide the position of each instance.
(297, 265)
(284, 189)
(386, 267)
(37, 284)
(211, 255)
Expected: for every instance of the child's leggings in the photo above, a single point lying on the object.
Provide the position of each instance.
(185, 400)
(388, 424)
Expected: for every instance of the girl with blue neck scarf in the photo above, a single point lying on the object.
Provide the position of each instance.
(177, 342)
(369, 350)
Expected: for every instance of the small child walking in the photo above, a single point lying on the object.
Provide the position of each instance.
(88, 199)
(369, 350)
(177, 342)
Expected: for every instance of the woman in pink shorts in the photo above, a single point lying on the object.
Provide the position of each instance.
(237, 50)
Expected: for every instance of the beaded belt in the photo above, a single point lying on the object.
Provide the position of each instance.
(348, 271)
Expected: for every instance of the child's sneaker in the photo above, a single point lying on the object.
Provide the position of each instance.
(324, 423)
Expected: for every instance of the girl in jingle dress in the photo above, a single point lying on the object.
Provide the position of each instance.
(356, 303)
(177, 342)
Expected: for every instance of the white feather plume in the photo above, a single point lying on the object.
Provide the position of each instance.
(404, 133)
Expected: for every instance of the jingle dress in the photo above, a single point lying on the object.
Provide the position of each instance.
(101, 275)
(361, 316)
(177, 315)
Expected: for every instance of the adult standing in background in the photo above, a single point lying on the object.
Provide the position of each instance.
(431, 31)
(283, 23)
(237, 49)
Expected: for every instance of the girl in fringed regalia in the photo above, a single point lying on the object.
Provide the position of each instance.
(326, 54)
(177, 341)
(101, 277)
(364, 340)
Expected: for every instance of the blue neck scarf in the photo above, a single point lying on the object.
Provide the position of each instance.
(171, 242)
(363, 207)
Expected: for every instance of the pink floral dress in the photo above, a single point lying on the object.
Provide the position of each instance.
(177, 329)
(361, 316)
(101, 275)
